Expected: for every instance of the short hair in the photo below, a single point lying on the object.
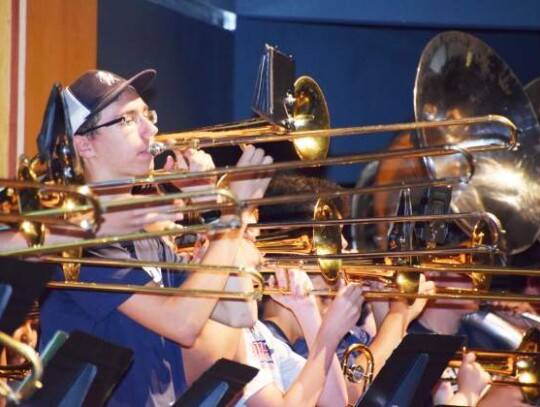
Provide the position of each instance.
(91, 122)
(291, 184)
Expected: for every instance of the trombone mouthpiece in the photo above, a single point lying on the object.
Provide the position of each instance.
(157, 148)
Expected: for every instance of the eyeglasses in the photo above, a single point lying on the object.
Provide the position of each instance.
(127, 119)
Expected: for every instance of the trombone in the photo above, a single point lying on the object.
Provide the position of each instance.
(252, 272)
(97, 241)
(31, 222)
(326, 237)
(520, 367)
(125, 203)
(310, 127)
(255, 294)
(163, 176)
(72, 250)
(326, 241)
(356, 373)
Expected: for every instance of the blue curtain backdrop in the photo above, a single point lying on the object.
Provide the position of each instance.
(363, 54)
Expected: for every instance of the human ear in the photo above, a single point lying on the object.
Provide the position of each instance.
(84, 147)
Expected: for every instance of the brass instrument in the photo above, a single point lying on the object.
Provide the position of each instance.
(517, 368)
(49, 195)
(163, 177)
(71, 250)
(311, 123)
(355, 267)
(356, 373)
(304, 244)
(33, 383)
(459, 75)
(108, 206)
(307, 110)
(231, 295)
(48, 214)
(126, 203)
(258, 290)
(256, 293)
(252, 272)
(326, 238)
(515, 365)
(310, 112)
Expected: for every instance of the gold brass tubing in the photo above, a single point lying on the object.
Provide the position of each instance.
(47, 218)
(455, 294)
(350, 371)
(214, 138)
(491, 220)
(54, 248)
(156, 199)
(443, 268)
(365, 221)
(499, 382)
(480, 249)
(276, 200)
(504, 366)
(105, 262)
(34, 383)
(498, 353)
(15, 372)
(168, 291)
(207, 268)
(81, 190)
(287, 165)
(449, 294)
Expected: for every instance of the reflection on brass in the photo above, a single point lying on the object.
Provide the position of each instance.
(513, 368)
(460, 76)
(355, 373)
(327, 239)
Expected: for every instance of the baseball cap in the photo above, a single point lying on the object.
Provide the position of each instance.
(96, 89)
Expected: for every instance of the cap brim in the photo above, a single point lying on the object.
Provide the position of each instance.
(139, 82)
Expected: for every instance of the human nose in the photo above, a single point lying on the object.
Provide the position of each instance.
(149, 129)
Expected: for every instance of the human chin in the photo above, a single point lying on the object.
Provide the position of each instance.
(147, 164)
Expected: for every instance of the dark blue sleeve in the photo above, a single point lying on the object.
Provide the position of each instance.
(98, 304)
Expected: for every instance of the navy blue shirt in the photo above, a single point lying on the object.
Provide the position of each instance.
(156, 377)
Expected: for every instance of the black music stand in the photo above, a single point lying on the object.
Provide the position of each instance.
(27, 280)
(218, 386)
(84, 371)
(275, 81)
(5, 293)
(412, 370)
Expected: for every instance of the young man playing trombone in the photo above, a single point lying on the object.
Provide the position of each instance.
(113, 129)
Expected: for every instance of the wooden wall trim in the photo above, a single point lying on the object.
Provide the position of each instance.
(61, 43)
(8, 24)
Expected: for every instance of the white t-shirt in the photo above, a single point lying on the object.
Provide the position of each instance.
(276, 361)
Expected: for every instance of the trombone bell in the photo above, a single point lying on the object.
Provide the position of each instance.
(327, 239)
(310, 113)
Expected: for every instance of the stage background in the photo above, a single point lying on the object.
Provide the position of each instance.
(363, 54)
